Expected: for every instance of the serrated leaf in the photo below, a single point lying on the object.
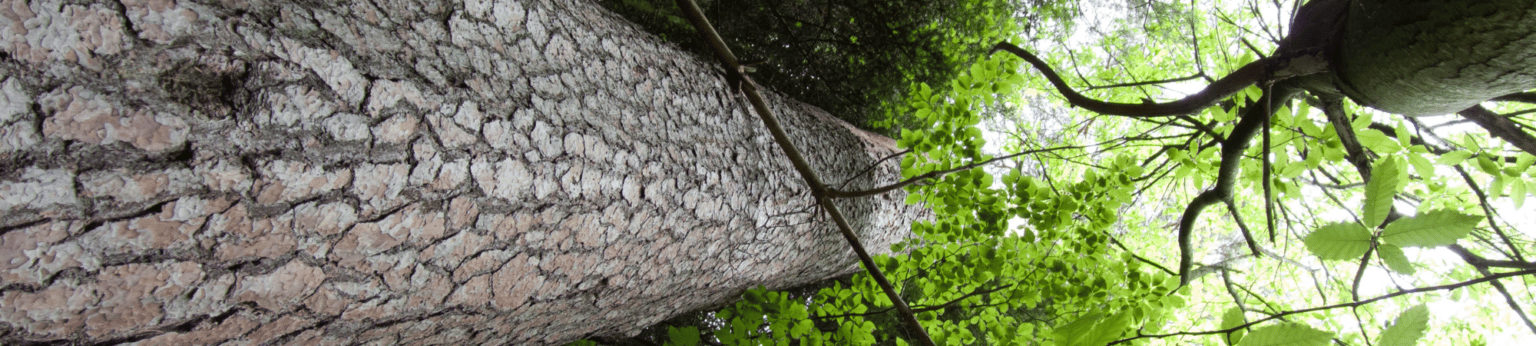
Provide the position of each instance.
(1393, 255)
(1339, 241)
(1377, 141)
(1233, 318)
(1380, 191)
(685, 336)
(1487, 165)
(1517, 191)
(1422, 165)
(1454, 158)
(1286, 334)
(1435, 228)
(1408, 327)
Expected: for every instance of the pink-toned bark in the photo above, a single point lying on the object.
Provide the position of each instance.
(391, 172)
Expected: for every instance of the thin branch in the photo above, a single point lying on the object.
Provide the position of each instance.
(1221, 89)
(834, 193)
(1487, 209)
(1243, 226)
(1231, 156)
(1150, 82)
(1501, 127)
(1518, 97)
(1340, 305)
(1482, 265)
(1122, 247)
(733, 68)
(872, 167)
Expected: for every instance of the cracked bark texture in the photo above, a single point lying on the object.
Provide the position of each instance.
(391, 172)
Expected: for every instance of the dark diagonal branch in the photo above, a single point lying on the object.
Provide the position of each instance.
(733, 68)
(1243, 226)
(1232, 149)
(1501, 127)
(1226, 86)
(1482, 265)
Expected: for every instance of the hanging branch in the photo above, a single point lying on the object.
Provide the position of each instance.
(736, 74)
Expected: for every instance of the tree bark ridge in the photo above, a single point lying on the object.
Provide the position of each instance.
(487, 172)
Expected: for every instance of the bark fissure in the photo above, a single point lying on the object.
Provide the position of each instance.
(497, 172)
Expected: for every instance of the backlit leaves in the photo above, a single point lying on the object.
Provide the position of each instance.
(1339, 241)
(1232, 319)
(1408, 328)
(1286, 334)
(1434, 228)
(1385, 181)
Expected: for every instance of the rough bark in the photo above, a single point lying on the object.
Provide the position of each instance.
(391, 172)
(1431, 57)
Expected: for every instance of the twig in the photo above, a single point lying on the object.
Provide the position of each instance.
(733, 68)
(935, 174)
(1340, 305)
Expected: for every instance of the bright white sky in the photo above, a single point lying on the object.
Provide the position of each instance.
(1376, 281)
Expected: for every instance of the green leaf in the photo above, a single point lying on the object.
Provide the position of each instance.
(1408, 327)
(1378, 141)
(1517, 191)
(1435, 228)
(1286, 334)
(1393, 255)
(1487, 165)
(1233, 318)
(1380, 190)
(1454, 158)
(1339, 241)
(685, 336)
(1421, 165)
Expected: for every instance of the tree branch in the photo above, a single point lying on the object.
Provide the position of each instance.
(818, 189)
(1226, 86)
(1501, 127)
(1232, 149)
(1340, 305)
(834, 193)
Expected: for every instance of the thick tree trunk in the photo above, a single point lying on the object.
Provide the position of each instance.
(396, 171)
(1431, 57)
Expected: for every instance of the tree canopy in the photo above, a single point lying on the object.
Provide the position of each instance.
(850, 57)
(1088, 192)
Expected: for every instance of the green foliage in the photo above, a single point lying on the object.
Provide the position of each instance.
(847, 56)
(1232, 319)
(1339, 241)
(1435, 228)
(1408, 328)
(685, 336)
(1286, 334)
(1386, 181)
(1067, 243)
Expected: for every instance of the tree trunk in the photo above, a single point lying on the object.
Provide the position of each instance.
(1431, 57)
(391, 172)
